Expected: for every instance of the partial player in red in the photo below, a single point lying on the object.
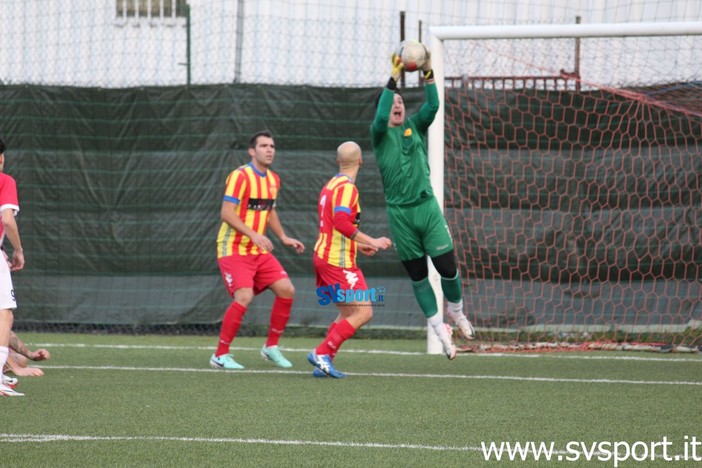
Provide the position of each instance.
(335, 258)
(9, 206)
(244, 253)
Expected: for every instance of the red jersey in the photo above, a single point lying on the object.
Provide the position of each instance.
(254, 193)
(339, 197)
(8, 198)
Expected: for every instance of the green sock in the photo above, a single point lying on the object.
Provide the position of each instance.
(452, 288)
(425, 297)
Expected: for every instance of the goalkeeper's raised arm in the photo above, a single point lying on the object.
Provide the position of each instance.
(424, 118)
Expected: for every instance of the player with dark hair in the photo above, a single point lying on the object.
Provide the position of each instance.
(334, 257)
(417, 225)
(9, 206)
(244, 253)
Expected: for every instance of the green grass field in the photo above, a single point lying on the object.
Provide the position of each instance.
(114, 400)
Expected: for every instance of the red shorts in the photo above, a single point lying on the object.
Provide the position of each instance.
(250, 271)
(329, 275)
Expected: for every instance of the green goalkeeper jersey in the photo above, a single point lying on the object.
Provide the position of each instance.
(401, 152)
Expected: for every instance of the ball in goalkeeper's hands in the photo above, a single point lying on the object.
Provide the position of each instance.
(413, 54)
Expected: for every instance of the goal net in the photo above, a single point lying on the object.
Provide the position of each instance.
(571, 170)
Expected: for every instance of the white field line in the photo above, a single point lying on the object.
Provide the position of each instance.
(522, 355)
(227, 440)
(383, 374)
(236, 440)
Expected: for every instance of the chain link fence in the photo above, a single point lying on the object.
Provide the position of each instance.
(129, 43)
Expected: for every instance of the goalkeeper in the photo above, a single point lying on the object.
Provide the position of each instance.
(417, 225)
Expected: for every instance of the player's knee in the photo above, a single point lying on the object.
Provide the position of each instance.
(417, 268)
(365, 312)
(244, 296)
(445, 264)
(286, 291)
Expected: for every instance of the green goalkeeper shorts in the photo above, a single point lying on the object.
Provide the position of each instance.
(418, 231)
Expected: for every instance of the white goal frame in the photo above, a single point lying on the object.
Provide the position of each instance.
(439, 34)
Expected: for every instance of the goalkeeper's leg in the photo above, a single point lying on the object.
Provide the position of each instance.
(451, 286)
(437, 242)
(426, 299)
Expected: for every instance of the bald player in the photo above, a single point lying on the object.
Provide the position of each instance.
(335, 256)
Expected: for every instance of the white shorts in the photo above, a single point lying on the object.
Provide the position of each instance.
(7, 291)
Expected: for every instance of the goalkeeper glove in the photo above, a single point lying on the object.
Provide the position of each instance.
(426, 67)
(397, 65)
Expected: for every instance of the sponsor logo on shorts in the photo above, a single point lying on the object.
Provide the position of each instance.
(351, 278)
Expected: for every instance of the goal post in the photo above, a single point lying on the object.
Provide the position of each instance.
(580, 172)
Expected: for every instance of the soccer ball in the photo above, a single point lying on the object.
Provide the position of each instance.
(413, 54)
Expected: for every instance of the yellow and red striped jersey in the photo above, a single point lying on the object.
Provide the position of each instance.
(254, 194)
(339, 195)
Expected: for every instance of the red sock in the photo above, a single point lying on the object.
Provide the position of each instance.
(332, 353)
(280, 314)
(230, 325)
(340, 333)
